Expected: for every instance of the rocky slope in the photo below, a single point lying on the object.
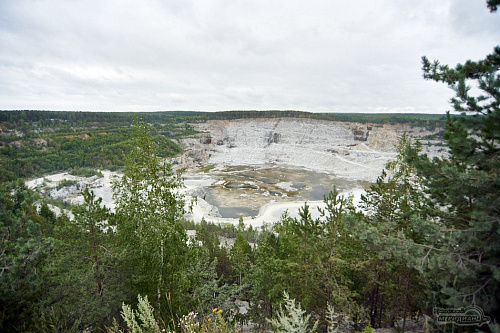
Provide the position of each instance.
(347, 150)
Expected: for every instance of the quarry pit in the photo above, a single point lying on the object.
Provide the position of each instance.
(258, 169)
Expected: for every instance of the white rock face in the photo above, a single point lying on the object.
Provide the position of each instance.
(347, 150)
(102, 187)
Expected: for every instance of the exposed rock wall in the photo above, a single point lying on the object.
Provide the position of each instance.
(351, 150)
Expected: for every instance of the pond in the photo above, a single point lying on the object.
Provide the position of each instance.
(243, 190)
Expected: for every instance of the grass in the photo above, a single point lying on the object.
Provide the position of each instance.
(206, 168)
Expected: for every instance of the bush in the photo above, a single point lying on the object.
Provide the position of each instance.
(292, 318)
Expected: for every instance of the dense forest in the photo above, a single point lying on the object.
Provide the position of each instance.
(34, 143)
(425, 237)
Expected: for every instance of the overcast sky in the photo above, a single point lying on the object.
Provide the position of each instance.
(208, 55)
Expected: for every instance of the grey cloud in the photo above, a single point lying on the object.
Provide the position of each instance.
(218, 54)
(472, 18)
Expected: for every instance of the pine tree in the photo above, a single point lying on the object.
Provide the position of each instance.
(92, 220)
(240, 253)
(464, 186)
(313, 259)
(83, 277)
(266, 277)
(394, 210)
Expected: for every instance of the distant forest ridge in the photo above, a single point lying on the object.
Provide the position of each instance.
(416, 119)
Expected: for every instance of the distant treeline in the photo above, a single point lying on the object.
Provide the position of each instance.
(14, 119)
(415, 119)
(125, 118)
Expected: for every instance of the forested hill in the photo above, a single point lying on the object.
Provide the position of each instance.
(423, 120)
(33, 143)
(125, 118)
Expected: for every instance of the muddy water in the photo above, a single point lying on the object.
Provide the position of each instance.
(241, 191)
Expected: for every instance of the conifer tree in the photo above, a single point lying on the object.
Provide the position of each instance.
(394, 210)
(92, 220)
(240, 253)
(464, 186)
(83, 276)
(23, 253)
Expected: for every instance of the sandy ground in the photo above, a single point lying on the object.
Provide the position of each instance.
(269, 213)
(193, 185)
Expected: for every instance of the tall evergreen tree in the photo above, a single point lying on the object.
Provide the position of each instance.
(464, 186)
(395, 212)
(312, 259)
(83, 276)
(240, 253)
(266, 277)
(92, 220)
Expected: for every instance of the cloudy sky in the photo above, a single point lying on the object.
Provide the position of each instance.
(207, 55)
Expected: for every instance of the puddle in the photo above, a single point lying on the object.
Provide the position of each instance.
(318, 192)
(236, 212)
(242, 190)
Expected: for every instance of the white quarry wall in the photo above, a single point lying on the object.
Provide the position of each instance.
(350, 150)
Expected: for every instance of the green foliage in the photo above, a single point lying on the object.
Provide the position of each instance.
(226, 230)
(240, 256)
(85, 172)
(144, 320)
(266, 277)
(493, 4)
(395, 219)
(40, 142)
(23, 252)
(463, 187)
(207, 234)
(92, 221)
(314, 259)
(216, 322)
(83, 277)
(206, 169)
(141, 320)
(336, 321)
(66, 183)
(54, 321)
(368, 329)
(149, 213)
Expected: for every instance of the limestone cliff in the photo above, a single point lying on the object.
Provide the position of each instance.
(345, 149)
